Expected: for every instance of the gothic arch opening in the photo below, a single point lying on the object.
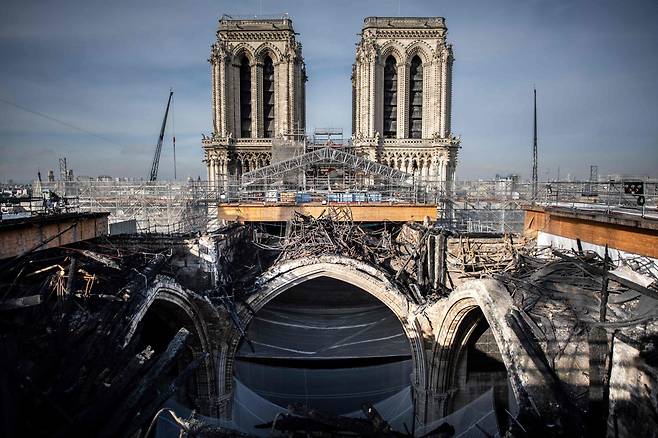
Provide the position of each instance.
(245, 98)
(326, 344)
(469, 368)
(268, 97)
(158, 327)
(479, 368)
(416, 98)
(390, 97)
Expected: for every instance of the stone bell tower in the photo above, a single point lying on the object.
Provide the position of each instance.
(258, 95)
(402, 96)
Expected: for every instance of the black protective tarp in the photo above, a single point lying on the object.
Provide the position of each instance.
(327, 345)
(345, 333)
(322, 320)
(339, 390)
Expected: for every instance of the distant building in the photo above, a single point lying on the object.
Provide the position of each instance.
(507, 185)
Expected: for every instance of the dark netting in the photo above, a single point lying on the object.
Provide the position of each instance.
(328, 345)
(341, 390)
(291, 332)
(475, 420)
(250, 409)
(325, 318)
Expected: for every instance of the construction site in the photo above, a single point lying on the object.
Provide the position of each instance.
(322, 286)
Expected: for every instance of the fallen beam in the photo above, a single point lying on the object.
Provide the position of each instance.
(17, 303)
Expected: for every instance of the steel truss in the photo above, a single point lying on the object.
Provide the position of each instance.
(326, 155)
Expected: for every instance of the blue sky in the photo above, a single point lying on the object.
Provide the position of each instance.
(106, 66)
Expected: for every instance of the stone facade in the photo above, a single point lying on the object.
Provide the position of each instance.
(258, 95)
(402, 91)
(401, 106)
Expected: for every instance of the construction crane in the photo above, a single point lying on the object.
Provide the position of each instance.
(158, 147)
(535, 175)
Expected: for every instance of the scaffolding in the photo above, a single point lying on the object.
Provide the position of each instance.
(157, 206)
(328, 136)
(325, 155)
(479, 206)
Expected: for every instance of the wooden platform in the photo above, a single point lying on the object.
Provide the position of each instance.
(20, 236)
(625, 232)
(360, 212)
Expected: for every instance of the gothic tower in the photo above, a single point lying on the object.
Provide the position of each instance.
(402, 91)
(258, 94)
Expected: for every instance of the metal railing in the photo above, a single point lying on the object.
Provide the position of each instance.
(495, 206)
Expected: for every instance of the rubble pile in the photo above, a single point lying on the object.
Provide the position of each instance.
(590, 322)
(406, 252)
(71, 363)
(75, 355)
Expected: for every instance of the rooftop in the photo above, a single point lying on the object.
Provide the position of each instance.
(22, 222)
(404, 22)
(250, 24)
(603, 214)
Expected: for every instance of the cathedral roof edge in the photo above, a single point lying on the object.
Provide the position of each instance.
(404, 22)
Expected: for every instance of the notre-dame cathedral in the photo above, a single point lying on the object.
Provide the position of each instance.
(401, 96)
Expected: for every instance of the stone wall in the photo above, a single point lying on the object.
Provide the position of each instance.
(21, 236)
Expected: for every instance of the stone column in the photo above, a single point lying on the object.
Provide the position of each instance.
(291, 94)
(437, 405)
(365, 97)
(403, 69)
(218, 174)
(426, 129)
(372, 102)
(448, 86)
(296, 92)
(278, 110)
(223, 101)
(257, 100)
(445, 175)
(355, 100)
(359, 98)
(227, 178)
(301, 97)
(433, 169)
(433, 71)
(281, 97)
(211, 171)
(214, 79)
(446, 91)
(450, 178)
(442, 120)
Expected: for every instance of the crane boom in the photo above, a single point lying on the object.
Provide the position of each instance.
(158, 147)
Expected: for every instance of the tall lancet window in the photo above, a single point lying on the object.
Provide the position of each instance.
(416, 98)
(268, 97)
(390, 98)
(245, 98)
